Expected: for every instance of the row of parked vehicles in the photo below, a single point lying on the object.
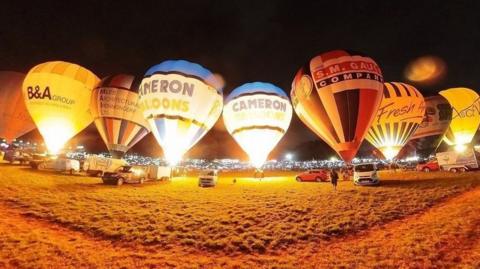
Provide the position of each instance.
(452, 161)
(118, 172)
(112, 171)
(363, 174)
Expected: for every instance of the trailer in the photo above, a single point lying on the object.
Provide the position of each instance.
(459, 161)
(95, 165)
(157, 172)
(136, 174)
(60, 164)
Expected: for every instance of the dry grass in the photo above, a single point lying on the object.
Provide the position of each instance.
(246, 217)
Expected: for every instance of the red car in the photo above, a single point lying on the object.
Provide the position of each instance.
(428, 166)
(313, 175)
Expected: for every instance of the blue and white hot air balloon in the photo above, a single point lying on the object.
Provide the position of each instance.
(257, 115)
(181, 101)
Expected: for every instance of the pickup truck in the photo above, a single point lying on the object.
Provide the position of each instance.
(13, 156)
(125, 174)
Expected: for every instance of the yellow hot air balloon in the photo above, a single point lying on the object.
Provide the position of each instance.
(257, 115)
(181, 101)
(57, 96)
(465, 116)
(398, 117)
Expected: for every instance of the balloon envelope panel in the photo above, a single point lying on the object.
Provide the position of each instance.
(257, 115)
(430, 132)
(181, 102)
(15, 120)
(57, 96)
(465, 115)
(336, 95)
(117, 114)
(401, 111)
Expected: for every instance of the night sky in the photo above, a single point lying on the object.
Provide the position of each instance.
(244, 41)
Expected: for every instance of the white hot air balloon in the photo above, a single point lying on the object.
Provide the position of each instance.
(257, 115)
(181, 101)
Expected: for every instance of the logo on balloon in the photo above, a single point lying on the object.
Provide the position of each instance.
(470, 111)
(402, 113)
(37, 93)
(347, 70)
(164, 87)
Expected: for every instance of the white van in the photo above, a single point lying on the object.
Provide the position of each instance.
(365, 174)
(208, 178)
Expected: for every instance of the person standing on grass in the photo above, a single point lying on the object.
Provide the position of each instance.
(344, 172)
(334, 179)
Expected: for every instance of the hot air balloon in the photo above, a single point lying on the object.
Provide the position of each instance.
(117, 114)
(181, 102)
(465, 116)
(398, 117)
(257, 115)
(14, 118)
(430, 132)
(336, 95)
(57, 95)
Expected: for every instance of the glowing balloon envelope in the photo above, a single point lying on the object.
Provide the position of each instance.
(181, 102)
(465, 116)
(398, 117)
(257, 115)
(57, 96)
(117, 114)
(336, 95)
(14, 118)
(430, 132)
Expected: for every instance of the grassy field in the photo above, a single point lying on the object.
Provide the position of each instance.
(248, 217)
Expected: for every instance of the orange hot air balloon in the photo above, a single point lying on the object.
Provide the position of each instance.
(337, 95)
(14, 118)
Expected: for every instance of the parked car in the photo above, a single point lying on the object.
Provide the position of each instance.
(365, 174)
(317, 175)
(38, 159)
(429, 166)
(408, 166)
(125, 174)
(208, 178)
